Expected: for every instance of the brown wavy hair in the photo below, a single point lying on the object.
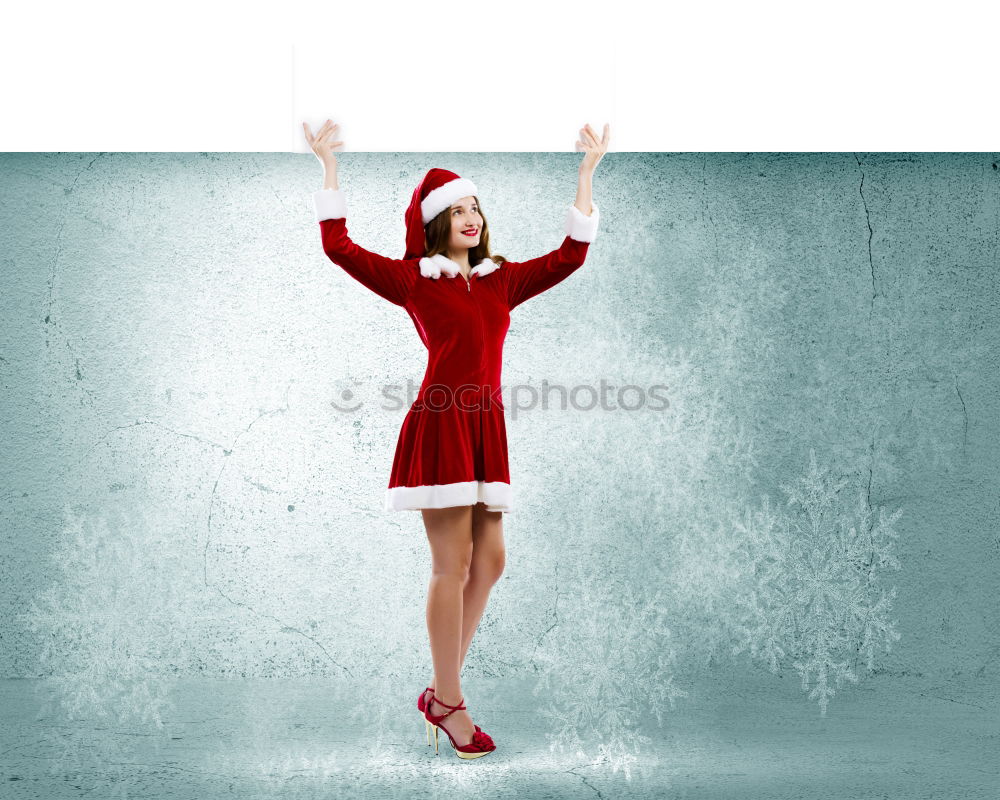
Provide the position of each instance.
(437, 232)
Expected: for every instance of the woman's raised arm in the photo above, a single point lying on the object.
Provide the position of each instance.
(390, 278)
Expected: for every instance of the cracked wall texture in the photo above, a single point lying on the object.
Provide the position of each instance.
(181, 496)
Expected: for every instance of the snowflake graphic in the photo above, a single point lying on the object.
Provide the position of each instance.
(108, 624)
(814, 588)
(620, 651)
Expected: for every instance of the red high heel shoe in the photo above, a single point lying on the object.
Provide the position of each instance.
(422, 705)
(421, 701)
(481, 743)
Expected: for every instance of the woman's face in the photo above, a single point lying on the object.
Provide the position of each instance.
(465, 217)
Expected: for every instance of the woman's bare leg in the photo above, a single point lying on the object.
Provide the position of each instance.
(486, 567)
(467, 559)
(449, 531)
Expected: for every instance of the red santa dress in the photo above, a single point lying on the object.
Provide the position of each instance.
(452, 446)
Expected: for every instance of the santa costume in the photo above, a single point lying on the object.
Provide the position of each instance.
(452, 446)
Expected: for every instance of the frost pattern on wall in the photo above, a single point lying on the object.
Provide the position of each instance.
(665, 566)
(814, 591)
(111, 623)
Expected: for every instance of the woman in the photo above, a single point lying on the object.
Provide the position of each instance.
(451, 455)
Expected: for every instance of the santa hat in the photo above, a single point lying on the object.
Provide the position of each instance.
(439, 189)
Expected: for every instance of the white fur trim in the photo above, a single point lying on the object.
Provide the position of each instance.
(434, 266)
(581, 227)
(429, 268)
(496, 495)
(485, 267)
(446, 194)
(329, 204)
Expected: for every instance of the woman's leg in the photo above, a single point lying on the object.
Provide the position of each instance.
(449, 531)
(486, 567)
(467, 550)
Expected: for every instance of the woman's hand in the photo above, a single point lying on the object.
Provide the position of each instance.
(592, 147)
(323, 144)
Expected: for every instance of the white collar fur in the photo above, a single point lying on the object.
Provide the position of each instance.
(433, 267)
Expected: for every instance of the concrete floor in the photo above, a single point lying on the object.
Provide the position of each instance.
(886, 738)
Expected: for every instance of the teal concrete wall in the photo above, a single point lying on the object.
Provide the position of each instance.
(819, 497)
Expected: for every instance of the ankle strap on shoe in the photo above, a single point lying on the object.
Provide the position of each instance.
(458, 707)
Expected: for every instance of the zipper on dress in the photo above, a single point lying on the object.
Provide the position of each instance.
(482, 324)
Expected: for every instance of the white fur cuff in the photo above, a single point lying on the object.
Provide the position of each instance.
(329, 204)
(581, 227)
